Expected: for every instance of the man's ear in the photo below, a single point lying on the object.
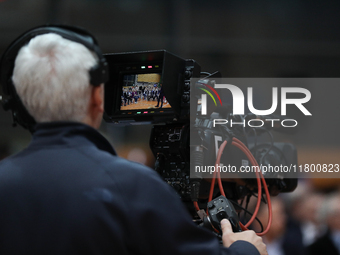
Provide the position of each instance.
(95, 108)
(97, 98)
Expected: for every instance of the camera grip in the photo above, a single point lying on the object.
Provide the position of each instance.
(220, 208)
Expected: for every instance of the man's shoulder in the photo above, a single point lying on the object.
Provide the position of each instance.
(136, 180)
(82, 157)
(122, 169)
(121, 165)
(108, 160)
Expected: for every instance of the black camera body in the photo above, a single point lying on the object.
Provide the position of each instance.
(274, 154)
(170, 138)
(136, 77)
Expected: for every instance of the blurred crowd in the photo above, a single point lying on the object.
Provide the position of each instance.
(305, 222)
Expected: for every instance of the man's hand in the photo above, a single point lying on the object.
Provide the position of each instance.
(250, 236)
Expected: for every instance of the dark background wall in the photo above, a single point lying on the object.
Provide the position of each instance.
(264, 38)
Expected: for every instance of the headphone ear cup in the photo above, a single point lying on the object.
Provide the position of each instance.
(19, 112)
(99, 73)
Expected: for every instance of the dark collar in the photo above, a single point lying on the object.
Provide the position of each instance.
(69, 134)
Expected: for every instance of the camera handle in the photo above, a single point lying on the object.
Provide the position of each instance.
(218, 209)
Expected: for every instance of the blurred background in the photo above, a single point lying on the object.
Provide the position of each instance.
(264, 38)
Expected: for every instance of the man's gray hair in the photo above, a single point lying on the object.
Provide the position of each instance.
(51, 77)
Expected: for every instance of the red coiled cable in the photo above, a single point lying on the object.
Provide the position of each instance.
(259, 176)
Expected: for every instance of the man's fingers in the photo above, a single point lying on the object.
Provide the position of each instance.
(226, 226)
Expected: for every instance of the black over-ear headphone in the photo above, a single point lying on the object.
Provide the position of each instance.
(98, 74)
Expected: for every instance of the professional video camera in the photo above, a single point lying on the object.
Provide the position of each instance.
(157, 87)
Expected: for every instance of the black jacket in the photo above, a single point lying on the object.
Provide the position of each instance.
(68, 193)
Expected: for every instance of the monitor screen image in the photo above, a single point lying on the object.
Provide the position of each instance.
(142, 92)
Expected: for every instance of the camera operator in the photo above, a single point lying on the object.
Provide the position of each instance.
(68, 192)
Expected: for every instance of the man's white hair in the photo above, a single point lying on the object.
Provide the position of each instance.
(51, 78)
